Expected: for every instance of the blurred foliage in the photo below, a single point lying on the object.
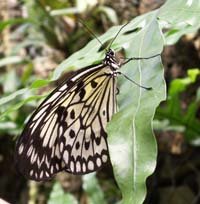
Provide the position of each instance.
(50, 30)
(93, 190)
(58, 196)
(173, 114)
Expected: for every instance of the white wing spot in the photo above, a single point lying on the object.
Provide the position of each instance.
(30, 150)
(33, 157)
(41, 174)
(104, 158)
(98, 162)
(78, 166)
(57, 151)
(38, 161)
(84, 167)
(62, 88)
(53, 97)
(72, 166)
(51, 169)
(47, 162)
(57, 166)
(53, 136)
(61, 130)
(47, 131)
(43, 158)
(66, 156)
(45, 128)
(31, 172)
(47, 174)
(39, 113)
(34, 125)
(61, 146)
(90, 165)
(21, 148)
(88, 134)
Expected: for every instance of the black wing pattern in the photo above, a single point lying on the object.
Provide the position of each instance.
(67, 131)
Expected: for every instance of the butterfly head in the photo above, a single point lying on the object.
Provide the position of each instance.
(110, 60)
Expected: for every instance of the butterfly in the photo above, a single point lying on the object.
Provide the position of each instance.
(67, 132)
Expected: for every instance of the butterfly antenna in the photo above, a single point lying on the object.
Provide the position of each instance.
(117, 35)
(90, 31)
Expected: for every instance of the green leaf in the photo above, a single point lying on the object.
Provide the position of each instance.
(172, 110)
(176, 31)
(164, 125)
(111, 13)
(39, 83)
(192, 123)
(179, 85)
(93, 190)
(26, 43)
(58, 196)
(4, 126)
(12, 96)
(65, 11)
(193, 74)
(179, 17)
(11, 60)
(10, 22)
(44, 23)
(179, 11)
(132, 145)
(90, 54)
(18, 105)
(10, 76)
(83, 5)
(27, 73)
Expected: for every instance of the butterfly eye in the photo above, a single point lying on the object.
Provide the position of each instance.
(111, 52)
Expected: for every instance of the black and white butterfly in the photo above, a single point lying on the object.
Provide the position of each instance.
(67, 132)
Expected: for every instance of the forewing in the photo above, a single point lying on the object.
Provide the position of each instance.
(45, 146)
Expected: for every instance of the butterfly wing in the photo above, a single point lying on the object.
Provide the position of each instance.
(67, 131)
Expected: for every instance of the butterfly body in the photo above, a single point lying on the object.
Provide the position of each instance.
(68, 130)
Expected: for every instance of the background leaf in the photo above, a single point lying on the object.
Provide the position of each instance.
(173, 113)
(179, 17)
(58, 196)
(93, 190)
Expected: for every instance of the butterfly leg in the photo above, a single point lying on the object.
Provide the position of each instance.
(144, 87)
(137, 58)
